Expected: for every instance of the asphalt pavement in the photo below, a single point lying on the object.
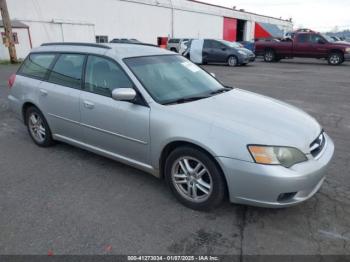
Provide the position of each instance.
(65, 200)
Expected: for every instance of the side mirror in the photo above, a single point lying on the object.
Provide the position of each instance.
(124, 94)
(213, 75)
(320, 41)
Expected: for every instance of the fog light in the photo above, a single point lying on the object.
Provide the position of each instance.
(286, 196)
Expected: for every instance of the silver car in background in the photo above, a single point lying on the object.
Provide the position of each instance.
(176, 44)
(157, 111)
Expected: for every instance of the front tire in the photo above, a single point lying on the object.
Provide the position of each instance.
(38, 128)
(194, 178)
(232, 61)
(335, 58)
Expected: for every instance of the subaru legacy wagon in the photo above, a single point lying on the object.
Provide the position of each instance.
(155, 110)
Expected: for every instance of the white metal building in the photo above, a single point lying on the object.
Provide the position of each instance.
(145, 20)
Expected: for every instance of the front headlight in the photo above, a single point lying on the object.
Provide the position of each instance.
(242, 53)
(276, 155)
(347, 50)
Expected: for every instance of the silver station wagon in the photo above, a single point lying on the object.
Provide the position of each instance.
(155, 110)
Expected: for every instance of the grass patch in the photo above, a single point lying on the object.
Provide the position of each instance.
(8, 62)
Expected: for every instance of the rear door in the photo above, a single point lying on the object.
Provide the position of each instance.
(59, 96)
(117, 127)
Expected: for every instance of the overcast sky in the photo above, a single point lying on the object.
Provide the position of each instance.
(320, 15)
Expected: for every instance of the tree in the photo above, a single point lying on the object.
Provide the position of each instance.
(8, 31)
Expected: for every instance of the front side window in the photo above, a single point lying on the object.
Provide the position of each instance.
(316, 38)
(208, 44)
(103, 76)
(168, 78)
(37, 65)
(68, 70)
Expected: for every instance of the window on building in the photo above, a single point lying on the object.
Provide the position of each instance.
(103, 76)
(68, 70)
(37, 65)
(101, 39)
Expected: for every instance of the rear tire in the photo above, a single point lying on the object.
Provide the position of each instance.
(335, 58)
(194, 178)
(38, 127)
(269, 56)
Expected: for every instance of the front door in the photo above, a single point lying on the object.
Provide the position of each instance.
(117, 127)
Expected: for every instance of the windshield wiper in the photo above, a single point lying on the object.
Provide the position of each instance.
(221, 90)
(185, 99)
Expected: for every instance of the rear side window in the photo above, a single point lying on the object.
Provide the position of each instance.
(37, 65)
(68, 70)
(304, 38)
(212, 44)
(103, 76)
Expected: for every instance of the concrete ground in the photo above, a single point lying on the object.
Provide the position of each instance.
(68, 201)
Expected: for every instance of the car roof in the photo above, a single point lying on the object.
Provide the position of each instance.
(116, 50)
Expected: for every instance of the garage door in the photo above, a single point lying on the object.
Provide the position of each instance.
(230, 29)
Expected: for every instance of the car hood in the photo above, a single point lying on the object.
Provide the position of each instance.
(341, 44)
(255, 118)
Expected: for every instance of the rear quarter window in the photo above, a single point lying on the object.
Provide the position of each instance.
(37, 65)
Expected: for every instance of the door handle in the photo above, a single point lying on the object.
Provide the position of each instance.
(89, 105)
(43, 92)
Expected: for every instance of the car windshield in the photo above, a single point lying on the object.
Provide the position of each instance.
(231, 44)
(328, 38)
(170, 78)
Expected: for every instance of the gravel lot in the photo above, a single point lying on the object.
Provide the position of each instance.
(68, 201)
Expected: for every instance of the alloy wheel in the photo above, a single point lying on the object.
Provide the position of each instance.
(334, 59)
(192, 179)
(232, 61)
(269, 56)
(36, 127)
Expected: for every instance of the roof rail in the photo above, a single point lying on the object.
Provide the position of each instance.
(77, 44)
(304, 30)
(146, 44)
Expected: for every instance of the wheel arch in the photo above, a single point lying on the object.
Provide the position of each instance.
(25, 107)
(336, 50)
(269, 48)
(171, 146)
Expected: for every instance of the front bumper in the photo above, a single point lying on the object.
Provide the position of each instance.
(246, 59)
(347, 57)
(263, 185)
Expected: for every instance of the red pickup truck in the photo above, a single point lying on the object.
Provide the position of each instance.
(304, 44)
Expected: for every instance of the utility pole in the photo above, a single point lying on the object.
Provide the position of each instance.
(8, 31)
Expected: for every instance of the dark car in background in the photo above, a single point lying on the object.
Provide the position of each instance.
(221, 51)
(249, 45)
